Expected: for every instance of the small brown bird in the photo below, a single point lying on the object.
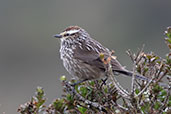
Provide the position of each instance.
(80, 55)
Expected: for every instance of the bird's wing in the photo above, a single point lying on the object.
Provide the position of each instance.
(89, 53)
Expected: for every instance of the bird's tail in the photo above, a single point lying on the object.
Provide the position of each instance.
(129, 73)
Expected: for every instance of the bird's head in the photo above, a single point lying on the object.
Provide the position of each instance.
(70, 32)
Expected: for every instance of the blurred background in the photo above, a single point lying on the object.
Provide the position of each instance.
(29, 55)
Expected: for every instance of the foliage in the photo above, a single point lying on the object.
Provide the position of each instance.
(109, 97)
(36, 104)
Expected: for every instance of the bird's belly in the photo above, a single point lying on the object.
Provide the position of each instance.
(82, 70)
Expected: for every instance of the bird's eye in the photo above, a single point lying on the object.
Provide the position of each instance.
(66, 34)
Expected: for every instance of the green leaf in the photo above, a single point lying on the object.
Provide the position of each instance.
(149, 56)
(69, 97)
(168, 32)
(83, 91)
(145, 70)
(169, 104)
(157, 105)
(169, 40)
(40, 103)
(157, 88)
(168, 59)
(145, 107)
(105, 89)
(139, 69)
(162, 99)
(101, 56)
(58, 104)
(82, 110)
(169, 98)
(92, 83)
(63, 78)
(39, 97)
(163, 93)
(137, 91)
(168, 35)
(39, 93)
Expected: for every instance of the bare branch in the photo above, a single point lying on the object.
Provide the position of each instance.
(122, 91)
(72, 90)
(143, 90)
(133, 81)
(165, 101)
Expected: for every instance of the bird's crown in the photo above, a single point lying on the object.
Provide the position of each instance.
(69, 31)
(72, 30)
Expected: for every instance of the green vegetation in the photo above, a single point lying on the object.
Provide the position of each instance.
(97, 97)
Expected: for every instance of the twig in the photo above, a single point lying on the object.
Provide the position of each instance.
(135, 59)
(138, 106)
(141, 54)
(133, 81)
(72, 90)
(143, 90)
(165, 101)
(130, 54)
(122, 91)
(120, 107)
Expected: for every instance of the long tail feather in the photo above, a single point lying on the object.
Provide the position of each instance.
(129, 73)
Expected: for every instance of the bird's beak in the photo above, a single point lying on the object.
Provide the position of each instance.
(57, 36)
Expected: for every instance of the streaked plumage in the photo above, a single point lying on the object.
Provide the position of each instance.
(80, 55)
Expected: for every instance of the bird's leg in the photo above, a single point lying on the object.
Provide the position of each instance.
(104, 81)
(78, 82)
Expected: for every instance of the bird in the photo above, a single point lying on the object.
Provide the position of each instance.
(80, 55)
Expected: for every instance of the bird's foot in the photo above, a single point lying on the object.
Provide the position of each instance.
(103, 82)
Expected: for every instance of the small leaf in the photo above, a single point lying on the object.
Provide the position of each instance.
(145, 70)
(92, 83)
(157, 88)
(163, 93)
(169, 103)
(139, 69)
(145, 107)
(168, 59)
(82, 110)
(101, 56)
(168, 32)
(169, 45)
(168, 40)
(40, 103)
(58, 104)
(63, 78)
(149, 56)
(83, 91)
(105, 89)
(137, 91)
(69, 97)
(157, 105)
